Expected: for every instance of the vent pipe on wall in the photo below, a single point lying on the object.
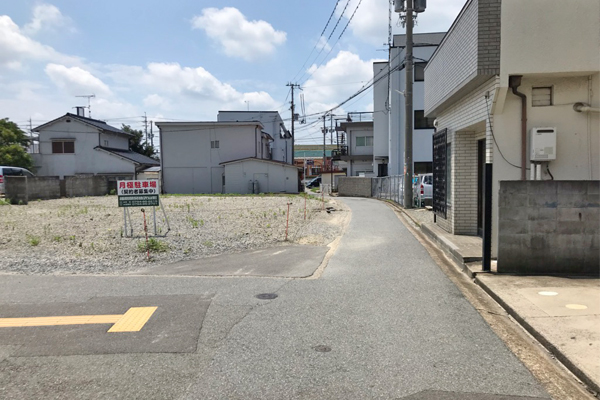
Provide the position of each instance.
(514, 82)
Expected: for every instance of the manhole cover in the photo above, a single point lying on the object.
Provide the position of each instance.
(266, 296)
(322, 349)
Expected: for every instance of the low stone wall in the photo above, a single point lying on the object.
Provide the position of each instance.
(76, 186)
(549, 227)
(20, 189)
(354, 186)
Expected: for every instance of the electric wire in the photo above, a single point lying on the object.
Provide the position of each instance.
(320, 36)
(487, 107)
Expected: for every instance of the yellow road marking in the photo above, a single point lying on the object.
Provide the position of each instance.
(132, 321)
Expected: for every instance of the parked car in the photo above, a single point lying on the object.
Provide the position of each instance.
(12, 171)
(314, 182)
(423, 190)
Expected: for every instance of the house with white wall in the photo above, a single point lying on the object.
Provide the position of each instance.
(281, 146)
(195, 156)
(74, 145)
(504, 69)
(389, 107)
(355, 153)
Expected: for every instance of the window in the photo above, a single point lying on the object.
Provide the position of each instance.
(541, 96)
(106, 143)
(63, 147)
(421, 122)
(420, 72)
(362, 141)
(214, 144)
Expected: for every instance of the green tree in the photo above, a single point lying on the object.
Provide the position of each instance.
(13, 146)
(137, 142)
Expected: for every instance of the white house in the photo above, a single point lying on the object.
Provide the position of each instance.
(75, 145)
(504, 68)
(356, 148)
(389, 115)
(195, 156)
(281, 146)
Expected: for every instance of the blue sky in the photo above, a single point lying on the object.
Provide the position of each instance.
(185, 60)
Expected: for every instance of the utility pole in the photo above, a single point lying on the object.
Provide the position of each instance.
(324, 130)
(293, 109)
(146, 127)
(408, 117)
(31, 145)
(151, 135)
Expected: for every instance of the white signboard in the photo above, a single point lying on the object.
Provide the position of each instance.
(137, 193)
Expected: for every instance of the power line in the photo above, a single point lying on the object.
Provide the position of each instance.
(320, 36)
(338, 39)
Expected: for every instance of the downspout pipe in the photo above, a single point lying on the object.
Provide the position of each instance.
(514, 82)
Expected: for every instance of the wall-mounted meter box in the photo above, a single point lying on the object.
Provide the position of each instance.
(542, 144)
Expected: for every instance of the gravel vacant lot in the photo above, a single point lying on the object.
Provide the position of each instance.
(85, 235)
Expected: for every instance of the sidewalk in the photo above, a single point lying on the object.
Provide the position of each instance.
(562, 313)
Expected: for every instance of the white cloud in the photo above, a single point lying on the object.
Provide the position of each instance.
(47, 17)
(16, 47)
(170, 82)
(370, 23)
(338, 79)
(76, 81)
(249, 40)
(154, 100)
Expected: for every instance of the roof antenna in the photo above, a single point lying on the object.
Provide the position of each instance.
(89, 107)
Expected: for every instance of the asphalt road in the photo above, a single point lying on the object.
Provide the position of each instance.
(381, 322)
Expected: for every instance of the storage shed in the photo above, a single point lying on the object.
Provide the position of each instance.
(254, 175)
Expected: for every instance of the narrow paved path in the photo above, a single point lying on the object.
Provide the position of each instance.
(394, 322)
(382, 322)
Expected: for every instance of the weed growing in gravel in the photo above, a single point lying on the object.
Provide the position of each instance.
(4, 202)
(155, 246)
(208, 243)
(194, 222)
(57, 239)
(33, 240)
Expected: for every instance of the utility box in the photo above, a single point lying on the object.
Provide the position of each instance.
(419, 6)
(542, 144)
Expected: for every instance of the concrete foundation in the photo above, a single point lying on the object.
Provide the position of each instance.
(549, 227)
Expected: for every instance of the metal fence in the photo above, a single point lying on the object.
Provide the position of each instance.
(389, 188)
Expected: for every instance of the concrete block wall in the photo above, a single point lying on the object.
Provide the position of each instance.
(15, 189)
(549, 227)
(354, 186)
(23, 189)
(86, 186)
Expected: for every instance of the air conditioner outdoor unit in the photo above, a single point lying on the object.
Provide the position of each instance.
(542, 144)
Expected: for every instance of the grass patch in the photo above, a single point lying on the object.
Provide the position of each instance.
(4, 202)
(33, 240)
(154, 245)
(208, 243)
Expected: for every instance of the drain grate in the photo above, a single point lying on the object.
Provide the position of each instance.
(266, 296)
(322, 348)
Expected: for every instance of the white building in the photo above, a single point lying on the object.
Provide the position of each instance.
(75, 145)
(356, 149)
(281, 146)
(195, 156)
(389, 116)
(501, 62)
